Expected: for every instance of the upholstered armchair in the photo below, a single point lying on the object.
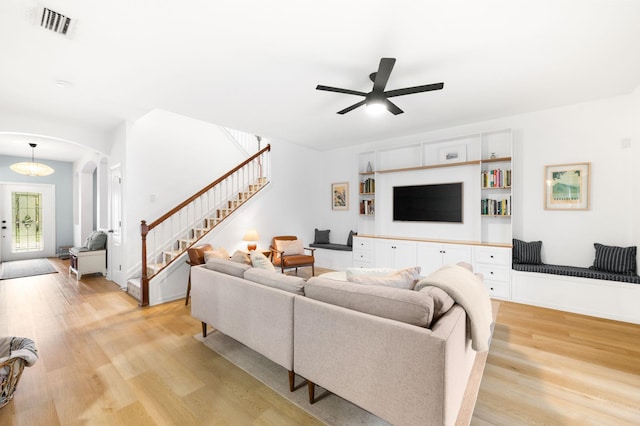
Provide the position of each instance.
(287, 252)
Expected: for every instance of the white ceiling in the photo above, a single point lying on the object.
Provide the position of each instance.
(254, 65)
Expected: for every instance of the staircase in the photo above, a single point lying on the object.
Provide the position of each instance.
(167, 239)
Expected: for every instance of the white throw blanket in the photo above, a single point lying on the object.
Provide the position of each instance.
(467, 290)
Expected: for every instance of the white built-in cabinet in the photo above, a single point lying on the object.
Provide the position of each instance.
(493, 262)
(488, 153)
(431, 256)
(483, 161)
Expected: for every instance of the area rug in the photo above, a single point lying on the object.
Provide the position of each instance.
(330, 409)
(26, 268)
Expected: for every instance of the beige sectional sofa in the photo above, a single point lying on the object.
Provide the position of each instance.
(403, 355)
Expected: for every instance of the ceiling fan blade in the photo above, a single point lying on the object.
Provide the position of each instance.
(338, 90)
(383, 73)
(351, 108)
(416, 89)
(393, 108)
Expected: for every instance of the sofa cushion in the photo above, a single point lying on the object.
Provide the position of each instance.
(527, 252)
(241, 257)
(619, 260)
(403, 278)
(321, 237)
(227, 267)
(219, 253)
(272, 279)
(410, 307)
(442, 302)
(259, 260)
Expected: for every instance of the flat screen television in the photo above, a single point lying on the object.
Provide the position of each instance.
(428, 203)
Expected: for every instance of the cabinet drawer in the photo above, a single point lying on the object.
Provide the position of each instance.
(493, 273)
(493, 255)
(361, 264)
(362, 244)
(362, 256)
(500, 290)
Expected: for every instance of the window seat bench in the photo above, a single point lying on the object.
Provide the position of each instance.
(575, 271)
(579, 290)
(333, 256)
(331, 246)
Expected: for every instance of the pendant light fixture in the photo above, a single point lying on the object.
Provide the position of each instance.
(31, 168)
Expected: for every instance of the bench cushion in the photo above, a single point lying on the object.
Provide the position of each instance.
(330, 246)
(574, 271)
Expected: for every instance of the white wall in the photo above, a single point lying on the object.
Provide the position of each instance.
(169, 157)
(635, 154)
(588, 132)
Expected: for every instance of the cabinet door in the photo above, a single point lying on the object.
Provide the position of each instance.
(395, 254)
(429, 257)
(454, 253)
(404, 254)
(384, 254)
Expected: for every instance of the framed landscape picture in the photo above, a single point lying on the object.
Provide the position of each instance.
(340, 196)
(566, 186)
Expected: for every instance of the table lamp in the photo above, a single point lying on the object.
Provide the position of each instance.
(252, 236)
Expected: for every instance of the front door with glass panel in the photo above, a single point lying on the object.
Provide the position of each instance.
(28, 221)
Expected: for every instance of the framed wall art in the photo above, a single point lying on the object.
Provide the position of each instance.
(566, 186)
(340, 196)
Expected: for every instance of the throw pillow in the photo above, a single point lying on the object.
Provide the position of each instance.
(527, 252)
(352, 272)
(404, 278)
(350, 238)
(98, 241)
(322, 237)
(619, 260)
(290, 247)
(259, 260)
(219, 253)
(241, 257)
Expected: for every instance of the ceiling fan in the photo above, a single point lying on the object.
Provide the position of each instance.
(377, 98)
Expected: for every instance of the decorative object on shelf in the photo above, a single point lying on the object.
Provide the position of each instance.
(369, 167)
(453, 154)
(567, 186)
(340, 196)
(251, 236)
(493, 156)
(31, 168)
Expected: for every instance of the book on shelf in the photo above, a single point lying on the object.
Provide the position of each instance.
(495, 178)
(367, 206)
(368, 186)
(491, 207)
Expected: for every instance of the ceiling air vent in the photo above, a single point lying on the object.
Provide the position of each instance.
(55, 21)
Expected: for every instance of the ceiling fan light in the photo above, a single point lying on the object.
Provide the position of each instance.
(375, 107)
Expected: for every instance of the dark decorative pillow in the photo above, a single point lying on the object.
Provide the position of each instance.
(619, 260)
(527, 252)
(322, 237)
(350, 238)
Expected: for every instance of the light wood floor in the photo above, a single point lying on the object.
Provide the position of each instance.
(103, 360)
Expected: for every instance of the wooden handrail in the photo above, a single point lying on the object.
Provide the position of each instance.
(205, 189)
